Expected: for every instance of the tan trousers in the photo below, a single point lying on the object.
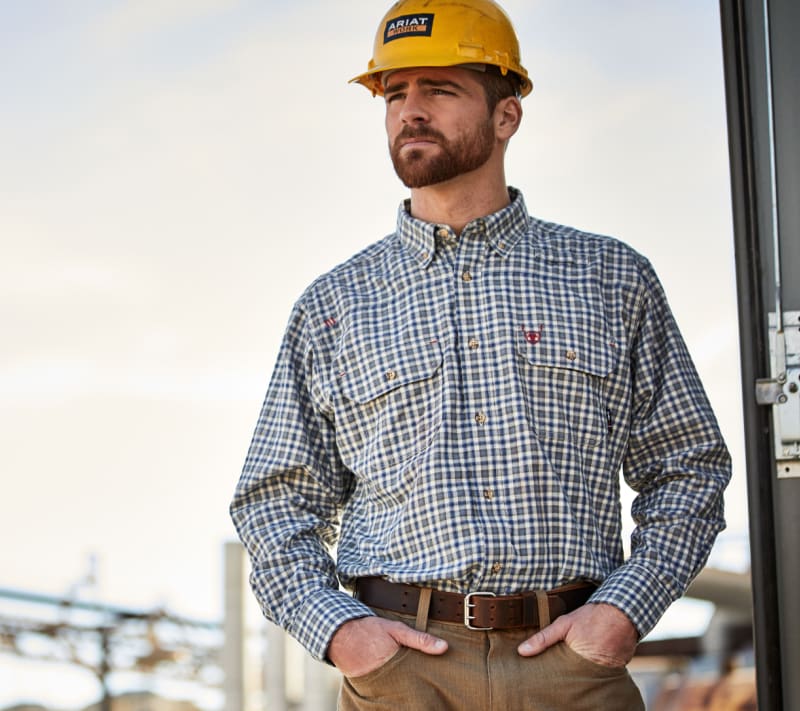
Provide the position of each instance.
(481, 671)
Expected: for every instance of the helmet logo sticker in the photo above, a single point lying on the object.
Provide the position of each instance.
(408, 26)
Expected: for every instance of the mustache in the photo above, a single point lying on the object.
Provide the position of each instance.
(412, 132)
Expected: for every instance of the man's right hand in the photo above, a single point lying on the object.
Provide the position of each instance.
(367, 643)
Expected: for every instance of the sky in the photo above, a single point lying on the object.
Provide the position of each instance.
(173, 173)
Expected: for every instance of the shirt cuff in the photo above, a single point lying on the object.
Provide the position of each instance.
(638, 593)
(321, 615)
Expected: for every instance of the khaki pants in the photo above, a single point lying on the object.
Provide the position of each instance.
(481, 671)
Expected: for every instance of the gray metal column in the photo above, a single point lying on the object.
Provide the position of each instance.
(761, 56)
(233, 627)
(275, 668)
(321, 686)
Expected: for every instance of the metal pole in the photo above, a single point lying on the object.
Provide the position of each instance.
(319, 690)
(275, 668)
(761, 56)
(105, 668)
(773, 172)
(233, 626)
(741, 83)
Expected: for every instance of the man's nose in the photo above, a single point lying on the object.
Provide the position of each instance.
(414, 109)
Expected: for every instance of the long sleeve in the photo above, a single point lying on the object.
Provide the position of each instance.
(288, 499)
(677, 463)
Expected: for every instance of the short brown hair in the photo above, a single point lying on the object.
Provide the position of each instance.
(498, 85)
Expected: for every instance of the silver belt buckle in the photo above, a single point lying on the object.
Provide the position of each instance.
(468, 605)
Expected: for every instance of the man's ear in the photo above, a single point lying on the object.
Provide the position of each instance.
(507, 117)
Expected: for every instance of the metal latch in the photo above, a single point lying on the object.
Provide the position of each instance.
(770, 392)
(782, 391)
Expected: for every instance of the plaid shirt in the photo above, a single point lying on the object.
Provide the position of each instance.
(455, 411)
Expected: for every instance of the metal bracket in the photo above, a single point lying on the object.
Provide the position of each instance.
(769, 392)
(782, 392)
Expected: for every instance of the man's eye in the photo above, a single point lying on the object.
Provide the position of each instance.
(392, 97)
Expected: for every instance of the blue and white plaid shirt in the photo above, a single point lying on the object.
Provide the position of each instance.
(455, 412)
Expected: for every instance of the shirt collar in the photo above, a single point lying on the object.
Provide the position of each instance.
(502, 229)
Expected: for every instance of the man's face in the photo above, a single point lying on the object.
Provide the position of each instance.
(438, 124)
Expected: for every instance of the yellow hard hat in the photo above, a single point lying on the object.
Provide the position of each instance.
(444, 33)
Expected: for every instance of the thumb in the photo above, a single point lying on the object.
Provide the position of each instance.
(422, 641)
(545, 638)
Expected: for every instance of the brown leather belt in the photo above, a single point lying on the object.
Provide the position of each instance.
(477, 610)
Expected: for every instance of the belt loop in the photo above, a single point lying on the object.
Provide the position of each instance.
(422, 609)
(543, 605)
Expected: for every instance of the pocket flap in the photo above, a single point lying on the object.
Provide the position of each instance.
(585, 346)
(380, 368)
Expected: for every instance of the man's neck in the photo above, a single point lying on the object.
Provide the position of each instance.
(459, 201)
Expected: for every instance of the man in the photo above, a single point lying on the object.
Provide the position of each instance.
(450, 410)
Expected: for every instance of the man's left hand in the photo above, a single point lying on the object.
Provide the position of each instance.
(599, 632)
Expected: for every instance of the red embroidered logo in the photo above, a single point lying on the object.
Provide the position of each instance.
(330, 322)
(533, 336)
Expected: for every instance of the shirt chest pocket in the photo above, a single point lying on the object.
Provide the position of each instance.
(563, 368)
(389, 408)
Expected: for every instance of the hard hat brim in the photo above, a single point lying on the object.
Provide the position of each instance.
(372, 78)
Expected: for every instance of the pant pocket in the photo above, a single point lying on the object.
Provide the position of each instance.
(383, 683)
(591, 667)
(588, 686)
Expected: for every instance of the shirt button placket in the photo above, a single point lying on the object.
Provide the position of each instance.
(471, 285)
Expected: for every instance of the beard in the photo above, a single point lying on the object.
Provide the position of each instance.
(463, 155)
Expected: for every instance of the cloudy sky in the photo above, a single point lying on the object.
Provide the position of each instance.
(174, 172)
